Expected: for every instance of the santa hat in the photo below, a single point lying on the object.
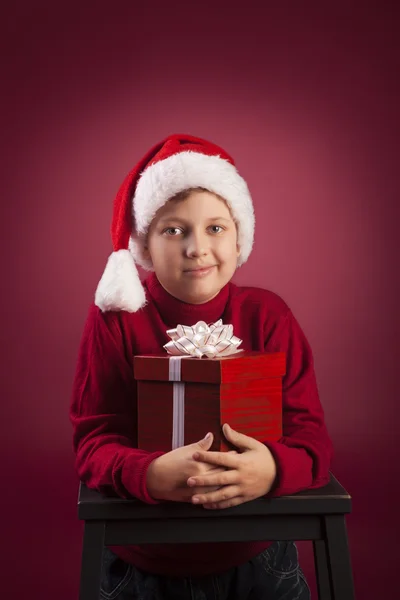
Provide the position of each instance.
(176, 164)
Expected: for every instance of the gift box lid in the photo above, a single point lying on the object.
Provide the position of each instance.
(225, 369)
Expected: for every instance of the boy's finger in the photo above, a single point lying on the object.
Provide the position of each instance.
(206, 442)
(222, 459)
(202, 490)
(239, 439)
(225, 494)
(226, 504)
(224, 478)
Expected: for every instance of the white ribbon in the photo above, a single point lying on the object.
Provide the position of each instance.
(193, 342)
(178, 418)
(202, 339)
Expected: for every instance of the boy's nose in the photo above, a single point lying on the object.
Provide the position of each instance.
(197, 246)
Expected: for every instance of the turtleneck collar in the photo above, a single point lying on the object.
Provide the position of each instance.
(174, 311)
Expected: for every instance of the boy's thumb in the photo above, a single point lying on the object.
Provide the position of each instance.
(238, 439)
(206, 442)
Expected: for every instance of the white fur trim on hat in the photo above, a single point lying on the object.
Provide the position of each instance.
(164, 179)
(120, 287)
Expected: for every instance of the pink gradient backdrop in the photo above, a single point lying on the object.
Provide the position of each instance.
(306, 100)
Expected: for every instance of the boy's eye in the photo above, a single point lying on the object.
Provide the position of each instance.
(172, 231)
(216, 228)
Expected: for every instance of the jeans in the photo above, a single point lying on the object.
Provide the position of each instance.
(274, 574)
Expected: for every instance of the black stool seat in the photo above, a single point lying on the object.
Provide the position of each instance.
(317, 515)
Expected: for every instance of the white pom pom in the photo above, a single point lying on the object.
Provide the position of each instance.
(120, 287)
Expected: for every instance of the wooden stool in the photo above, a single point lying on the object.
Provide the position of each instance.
(317, 515)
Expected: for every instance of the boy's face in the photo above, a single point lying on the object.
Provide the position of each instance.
(192, 234)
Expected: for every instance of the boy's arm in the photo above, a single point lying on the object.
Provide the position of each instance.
(103, 412)
(303, 454)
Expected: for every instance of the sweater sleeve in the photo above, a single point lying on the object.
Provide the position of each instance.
(103, 412)
(304, 453)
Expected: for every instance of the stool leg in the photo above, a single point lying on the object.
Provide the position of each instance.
(339, 562)
(321, 570)
(92, 553)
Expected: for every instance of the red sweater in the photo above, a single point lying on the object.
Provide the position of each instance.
(103, 408)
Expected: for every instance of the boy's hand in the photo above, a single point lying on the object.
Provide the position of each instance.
(167, 475)
(250, 474)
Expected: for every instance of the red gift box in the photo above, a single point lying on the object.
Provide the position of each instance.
(180, 399)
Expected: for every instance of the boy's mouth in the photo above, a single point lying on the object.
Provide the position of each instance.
(199, 271)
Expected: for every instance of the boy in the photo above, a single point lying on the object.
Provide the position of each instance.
(192, 225)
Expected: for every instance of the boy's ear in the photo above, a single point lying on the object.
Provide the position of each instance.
(146, 253)
(145, 247)
(237, 250)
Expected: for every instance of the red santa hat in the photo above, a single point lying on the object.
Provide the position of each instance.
(177, 163)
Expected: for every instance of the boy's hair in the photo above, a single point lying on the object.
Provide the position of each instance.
(184, 194)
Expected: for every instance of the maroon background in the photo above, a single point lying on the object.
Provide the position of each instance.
(307, 101)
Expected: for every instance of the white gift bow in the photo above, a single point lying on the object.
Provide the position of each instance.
(201, 339)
